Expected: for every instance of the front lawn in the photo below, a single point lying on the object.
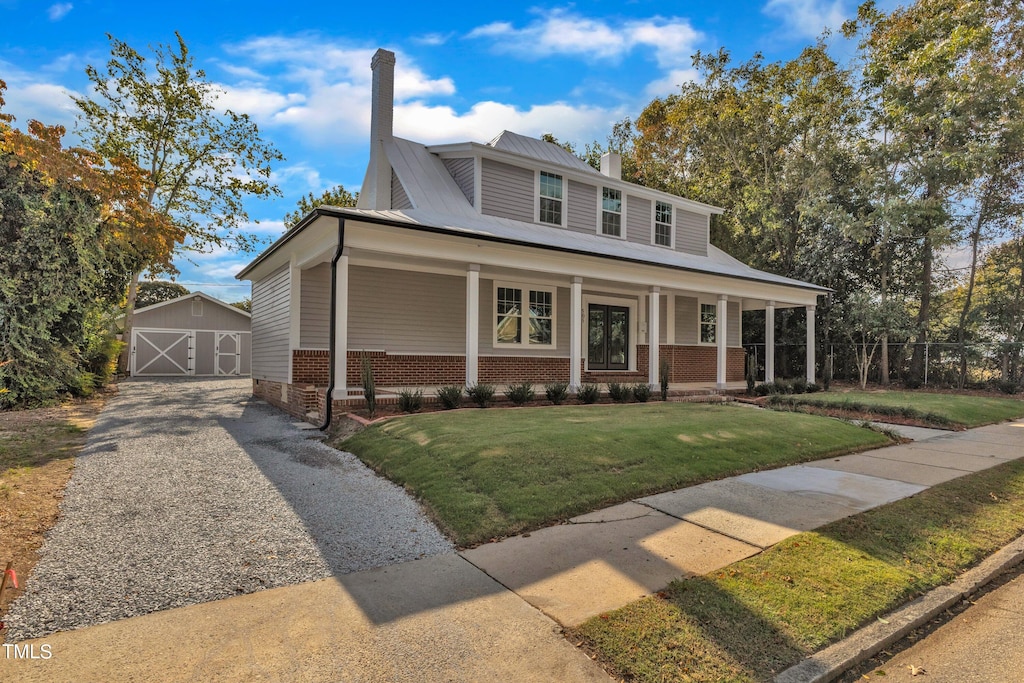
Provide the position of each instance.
(756, 617)
(956, 410)
(491, 473)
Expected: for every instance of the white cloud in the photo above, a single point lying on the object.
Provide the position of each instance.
(671, 82)
(256, 101)
(561, 32)
(433, 39)
(59, 10)
(808, 18)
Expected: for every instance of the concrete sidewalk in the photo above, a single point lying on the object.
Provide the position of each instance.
(442, 618)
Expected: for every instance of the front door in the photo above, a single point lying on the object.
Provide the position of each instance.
(607, 337)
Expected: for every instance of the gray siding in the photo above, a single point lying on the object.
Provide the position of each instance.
(686, 320)
(691, 232)
(399, 198)
(507, 191)
(582, 209)
(179, 316)
(315, 313)
(638, 220)
(402, 311)
(732, 319)
(488, 321)
(463, 174)
(270, 327)
(205, 345)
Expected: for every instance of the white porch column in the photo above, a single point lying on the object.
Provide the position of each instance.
(341, 327)
(472, 323)
(721, 334)
(653, 334)
(294, 311)
(810, 344)
(575, 333)
(769, 342)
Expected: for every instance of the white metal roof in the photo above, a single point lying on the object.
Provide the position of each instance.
(539, 149)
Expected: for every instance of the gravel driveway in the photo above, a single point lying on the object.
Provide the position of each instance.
(192, 490)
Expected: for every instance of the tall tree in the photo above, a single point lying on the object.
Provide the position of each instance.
(336, 196)
(158, 291)
(202, 163)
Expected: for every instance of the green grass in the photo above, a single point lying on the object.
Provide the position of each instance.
(756, 617)
(967, 411)
(491, 473)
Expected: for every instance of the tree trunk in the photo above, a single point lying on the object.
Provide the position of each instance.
(925, 311)
(965, 311)
(129, 321)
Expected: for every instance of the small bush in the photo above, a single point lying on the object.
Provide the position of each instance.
(481, 394)
(912, 383)
(450, 396)
(813, 388)
(557, 392)
(663, 375)
(620, 393)
(410, 401)
(369, 386)
(751, 374)
(587, 393)
(641, 392)
(781, 386)
(764, 389)
(800, 385)
(519, 394)
(1007, 387)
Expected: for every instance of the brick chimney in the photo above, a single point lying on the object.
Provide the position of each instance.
(376, 190)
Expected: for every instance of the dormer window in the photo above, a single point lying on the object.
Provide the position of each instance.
(611, 212)
(551, 196)
(663, 224)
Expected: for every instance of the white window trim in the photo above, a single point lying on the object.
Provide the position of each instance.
(713, 301)
(654, 225)
(564, 200)
(634, 328)
(703, 301)
(600, 213)
(525, 288)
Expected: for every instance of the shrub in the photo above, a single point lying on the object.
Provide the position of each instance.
(912, 383)
(641, 392)
(619, 393)
(781, 386)
(519, 394)
(410, 401)
(663, 375)
(764, 389)
(1007, 387)
(751, 374)
(450, 396)
(799, 385)
(557, 392)
(369, 386)
(813, 388)
(587, 393)
(481, 394)
(100, 357)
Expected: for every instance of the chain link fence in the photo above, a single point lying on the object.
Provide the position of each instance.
(986, 365)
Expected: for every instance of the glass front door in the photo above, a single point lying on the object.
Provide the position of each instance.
(607, 337)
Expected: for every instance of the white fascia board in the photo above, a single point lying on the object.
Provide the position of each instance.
(403, 242)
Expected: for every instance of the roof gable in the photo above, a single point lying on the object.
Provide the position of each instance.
(507, 141)
(193, 295)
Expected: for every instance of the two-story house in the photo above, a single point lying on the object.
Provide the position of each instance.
(498, 263)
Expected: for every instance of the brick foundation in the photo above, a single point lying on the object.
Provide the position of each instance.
(298, 400)
(699, 363)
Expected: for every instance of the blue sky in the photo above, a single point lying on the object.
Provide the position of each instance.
(465, 71)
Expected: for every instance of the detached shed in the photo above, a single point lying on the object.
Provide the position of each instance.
(194, 335)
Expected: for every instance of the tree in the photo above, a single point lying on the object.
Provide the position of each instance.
(202, 163)
(158, 291)
(336, 196)
(244, 305)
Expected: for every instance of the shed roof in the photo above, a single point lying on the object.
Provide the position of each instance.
(193, 295)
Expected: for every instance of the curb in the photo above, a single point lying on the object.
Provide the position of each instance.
(833, 661)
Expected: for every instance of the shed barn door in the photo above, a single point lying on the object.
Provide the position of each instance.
(228, 351)
(163, 352)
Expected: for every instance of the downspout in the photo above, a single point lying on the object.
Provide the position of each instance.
(329, 398)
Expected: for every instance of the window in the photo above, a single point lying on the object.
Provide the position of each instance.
(611, 212)
(532, 327)
(663, 224)
(550, 198)
(197, 307)
(708, 323)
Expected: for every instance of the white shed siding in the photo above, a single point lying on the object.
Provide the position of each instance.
(488, 320)
(507, 191)
(463, 175)
(402, 311)
(638, 220)
(691, 232)
(399, 199)
(315, 314)
(270, 327)
(582, 209)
